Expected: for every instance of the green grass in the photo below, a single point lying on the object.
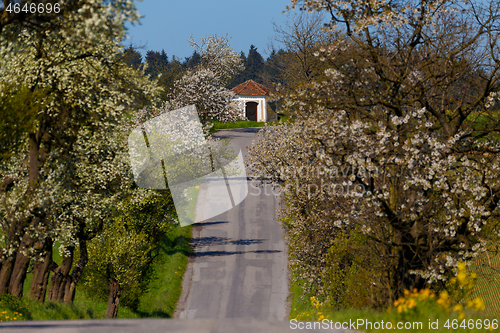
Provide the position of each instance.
(425, 312)
(241, 124)
(417, 321)
(166, 286)
(238, 124)
(299, 301)
(193, 193)
(159, 301)
(83, 308)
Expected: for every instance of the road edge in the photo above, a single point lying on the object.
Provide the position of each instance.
(187, 279)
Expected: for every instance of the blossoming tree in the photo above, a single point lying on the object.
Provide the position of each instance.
(399, 144)
(204, 85)
(64, 175)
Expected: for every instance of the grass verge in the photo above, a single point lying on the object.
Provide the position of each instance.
(25, 308)
(166, 287)
(159, 301)
(425, 316)
(241, 124)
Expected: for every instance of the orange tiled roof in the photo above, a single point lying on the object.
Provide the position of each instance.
(251, 88)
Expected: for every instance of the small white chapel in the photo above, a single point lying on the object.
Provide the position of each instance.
(252, 96)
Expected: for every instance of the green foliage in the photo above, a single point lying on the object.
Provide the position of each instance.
(349, 276)
(274, 68)
(193, 61)
(253, 68)
(19, 107)
(126, 248)
(153, 215)
(157, 62)
(132, 57)
(169, 76)
(122, 254)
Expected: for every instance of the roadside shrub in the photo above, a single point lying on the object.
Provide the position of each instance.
(350, 279)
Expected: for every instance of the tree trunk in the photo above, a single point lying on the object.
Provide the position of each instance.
(33, 163)
(113, 300)
(6, 262)
(69, 295)
(41, 272)
(60, 277)
(20, 268)
(13, 239)
(13, 272)
(6, 273)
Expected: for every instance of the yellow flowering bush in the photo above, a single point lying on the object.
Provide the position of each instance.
(411, 299)
(455, 298)
(460, 287)
(316, 304)
(10, 316)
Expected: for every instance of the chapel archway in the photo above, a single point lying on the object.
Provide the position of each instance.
(251, 111)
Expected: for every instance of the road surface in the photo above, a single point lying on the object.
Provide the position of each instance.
(240, 264)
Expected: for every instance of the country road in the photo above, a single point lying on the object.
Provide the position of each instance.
(240, 264)
(236, 281)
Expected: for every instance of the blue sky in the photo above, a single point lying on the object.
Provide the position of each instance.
(167, 24)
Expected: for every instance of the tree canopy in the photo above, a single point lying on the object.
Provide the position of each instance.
(66, 166)
(394, 153)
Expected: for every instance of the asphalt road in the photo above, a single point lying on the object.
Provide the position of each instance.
(240, 267)
(237, 281)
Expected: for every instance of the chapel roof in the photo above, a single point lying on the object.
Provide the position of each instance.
(251, 88)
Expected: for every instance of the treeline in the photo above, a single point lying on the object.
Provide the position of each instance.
(285, 67)
(71, 214)
(70, 211)
(158, 65)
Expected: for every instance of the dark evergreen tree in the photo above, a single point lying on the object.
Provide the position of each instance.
(157, 63)
(173, 72)
(192, 61)
(254, 65)
(132, 57)
(253, 68)
(273, 68)
(243, 57)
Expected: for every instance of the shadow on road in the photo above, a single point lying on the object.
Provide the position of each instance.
(229, 253)
(207, 241)
(220, 134)
(203, 224)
